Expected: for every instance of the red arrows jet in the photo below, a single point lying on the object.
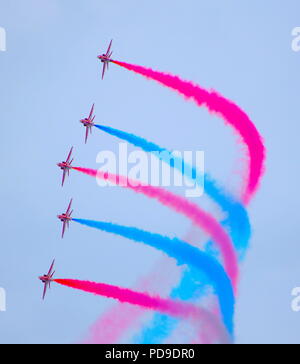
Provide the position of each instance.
(66, 218)
(106, 58)
(47, 279)
(66, 166)
(89, 123)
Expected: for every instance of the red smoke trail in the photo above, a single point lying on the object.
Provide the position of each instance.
(229, 111)
(165, 306)
(199, 217)
(110, 327)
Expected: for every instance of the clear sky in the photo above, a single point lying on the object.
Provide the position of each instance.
(50, 76)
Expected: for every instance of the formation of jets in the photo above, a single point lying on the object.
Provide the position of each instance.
(66, 166)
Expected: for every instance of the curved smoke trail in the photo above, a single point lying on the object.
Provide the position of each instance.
(230, 112)
(184, 254)
(117, 320)
(217, 104)
(199, 217)
(173, 308)
(237, 221)
(237, 224)
(111, 327)
(227, 110)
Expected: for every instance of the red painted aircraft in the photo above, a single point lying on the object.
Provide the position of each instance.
(47, 279)
(106, 58)
(65, 218)
(89, 123)
(66, 166)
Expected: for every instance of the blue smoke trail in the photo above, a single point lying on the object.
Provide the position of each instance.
(184, 254)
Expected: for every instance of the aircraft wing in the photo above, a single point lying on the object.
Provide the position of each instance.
(69, 207)
(50, 270)
(64, 229)
(92, 111)
(45, 291)
(69, 155)
(86, 134)
(108, 49)
(64, 177)
(103, 71)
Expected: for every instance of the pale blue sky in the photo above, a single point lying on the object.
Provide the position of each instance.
(49, 78)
